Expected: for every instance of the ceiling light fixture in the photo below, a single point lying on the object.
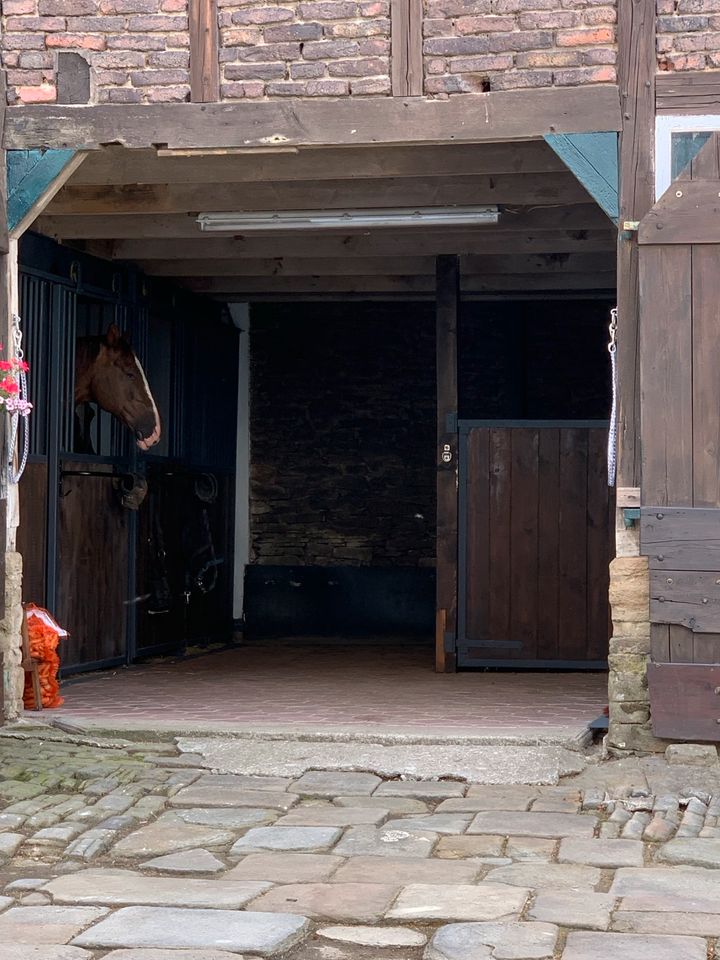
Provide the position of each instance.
(319, 220)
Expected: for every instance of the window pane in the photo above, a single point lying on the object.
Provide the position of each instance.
(685, 147)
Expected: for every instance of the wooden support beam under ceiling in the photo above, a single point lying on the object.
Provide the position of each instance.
(117, 166)
(470, 118)
(140, 226)
(389, 243)
(512, 189)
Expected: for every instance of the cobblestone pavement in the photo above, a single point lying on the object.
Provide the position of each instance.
(136, 851)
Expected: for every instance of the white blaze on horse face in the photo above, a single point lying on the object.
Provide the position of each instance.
(154, 437)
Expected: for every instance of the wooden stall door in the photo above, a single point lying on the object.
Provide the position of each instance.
(535, 542)
(679, 262)
(93, 568)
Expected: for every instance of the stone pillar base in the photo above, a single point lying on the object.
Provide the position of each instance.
(630, 730)
(10, 642)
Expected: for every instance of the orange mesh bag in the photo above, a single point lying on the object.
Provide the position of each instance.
(44, 634)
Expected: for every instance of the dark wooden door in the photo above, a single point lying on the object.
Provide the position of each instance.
(535, 545)
(92, 568)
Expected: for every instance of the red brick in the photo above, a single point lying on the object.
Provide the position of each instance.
(74, 41)
(572, 78)
(369, 67)
(374, 9)
(173, 6)
(584, 38)
(247, 37)
(67, 8)
(15, 7)
(34, 24)
(159, 23)
(173, 59)
(178, 94)
(328, 10)
(521, 40)
(370, 85)
(374, 47)
(597, 15)
(270, 51)
(435, 67)
(151, 78)
(481, 64)
(522, 80)
(307, 71)
(177, 40)
(36, 60)
(439, 28)
(330, 49)
(131, 41)
(255, 71)
(454, 46)
(489, 24)
(243, 91)
(263, 15)
(448, 85)
(692, 61)
(97, 24)
(549, 58)
(128, 6)
(124, 95)
(41, 94)
(293, 31)
(28, 41)
(355, 28)
(118, 59)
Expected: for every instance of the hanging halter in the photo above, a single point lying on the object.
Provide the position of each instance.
(612, 433)
(15, 416)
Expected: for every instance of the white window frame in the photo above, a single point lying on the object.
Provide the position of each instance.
(665, 126)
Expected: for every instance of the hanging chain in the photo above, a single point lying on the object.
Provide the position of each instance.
(612, 434)
(15, 417)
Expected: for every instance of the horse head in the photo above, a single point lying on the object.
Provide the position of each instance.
(108, 373)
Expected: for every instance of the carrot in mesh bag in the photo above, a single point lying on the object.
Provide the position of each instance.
(44, 635)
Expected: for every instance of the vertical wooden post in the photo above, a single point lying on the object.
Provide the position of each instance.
(406, 56)
(204, 51)
(636, 69)
(447, 302)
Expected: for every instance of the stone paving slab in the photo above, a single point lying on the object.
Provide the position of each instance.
(281, 867)
(126, 888)
(454, 848)
(308, 839)
(227, 818)
(530, 848)
(405, 871)
(555, 876)
(669, 921)
(170, 834)
(483, 901)
(367, 841)
(363, 902)
(601, 853)
(237, 781)
(374, 936)
(690, 889)
(48, 924)
(175, 928)
(493, 941)
(533, 824)
(189, 861)
(604, 946)
(327, 783)
(442, 823)
(573, 909)
(208, 796)
(690, 850)
(421, 789)
(153, 954)
(398, 806)
(333, 816)
(26, 951)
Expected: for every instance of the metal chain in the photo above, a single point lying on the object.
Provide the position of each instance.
(15, 418)
(612, 433)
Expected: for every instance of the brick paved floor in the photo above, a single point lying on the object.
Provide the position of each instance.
(349, 685)
(115, 850)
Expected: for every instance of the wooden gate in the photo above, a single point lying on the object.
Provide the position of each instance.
(680, 382)
(535, 541)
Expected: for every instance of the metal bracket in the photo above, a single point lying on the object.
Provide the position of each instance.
(630, 516)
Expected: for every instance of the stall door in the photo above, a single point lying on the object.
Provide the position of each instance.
(535, 542)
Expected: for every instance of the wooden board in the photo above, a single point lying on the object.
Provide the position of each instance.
(474, 118)
(447, 300)
(637, 66)
(117, 166)
(406, 55)
(32, 532)
(689, 598)
(676, 538)
(204, 51)
(691, 92)
(691, 217)
(685, 701)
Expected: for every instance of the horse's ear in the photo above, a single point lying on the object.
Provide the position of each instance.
(113, 336)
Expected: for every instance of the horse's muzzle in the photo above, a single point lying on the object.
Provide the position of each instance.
(146, 442)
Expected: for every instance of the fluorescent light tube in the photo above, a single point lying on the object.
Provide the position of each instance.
(316, 220)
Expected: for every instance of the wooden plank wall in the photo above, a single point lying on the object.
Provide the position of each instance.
(680, 359)
(406, 60)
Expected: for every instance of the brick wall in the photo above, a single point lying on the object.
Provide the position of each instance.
(329, 48)
(472, 46)
(138, 49)
(342, 430)
(688, 34)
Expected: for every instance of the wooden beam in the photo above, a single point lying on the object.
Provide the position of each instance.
(693, 685)
(593, 158)
(380, 266)
(637, 65)
(691, 217)
(470, 118)
(204, 51)
(139, 226)
(360, 245)
(406, 55)
(247, 287)
(694, 92)
(447, 305)
(323, 195)
(33, 178)
(117, 166)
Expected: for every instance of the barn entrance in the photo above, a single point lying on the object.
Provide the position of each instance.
(344, 519)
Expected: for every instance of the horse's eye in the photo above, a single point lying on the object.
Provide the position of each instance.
(130, 376)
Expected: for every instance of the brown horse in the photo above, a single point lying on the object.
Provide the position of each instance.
(108, 373)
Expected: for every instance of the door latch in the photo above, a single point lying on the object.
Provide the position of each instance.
(446, 455)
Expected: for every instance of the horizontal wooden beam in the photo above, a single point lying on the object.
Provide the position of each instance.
(359, 245)
(324, 195)
(139, 226)
(117, 166)
(471, 118)
(247, 287)
(694, 92)
(380, 266)
(688, 213)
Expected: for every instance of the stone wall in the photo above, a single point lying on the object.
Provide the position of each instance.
(342, 429)
(473, 46)
(688, 34)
